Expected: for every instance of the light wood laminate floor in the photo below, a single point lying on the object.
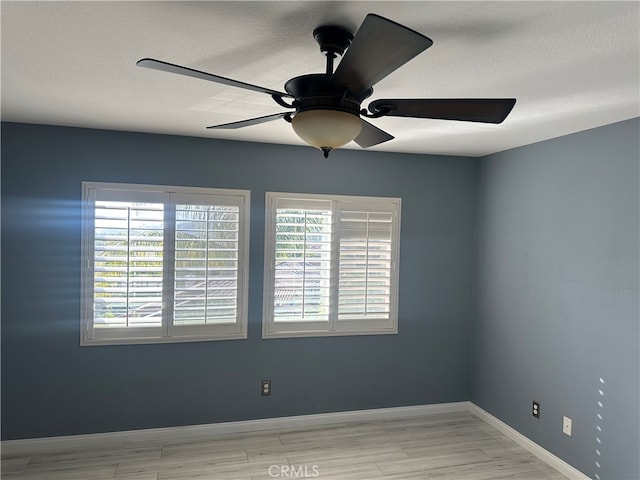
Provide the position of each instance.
(456, 446)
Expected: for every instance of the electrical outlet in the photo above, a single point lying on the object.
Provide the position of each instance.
(535, 409)
(566, 425)
(266, 388)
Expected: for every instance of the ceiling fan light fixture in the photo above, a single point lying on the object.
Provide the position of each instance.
(326, 129)
(328, 105)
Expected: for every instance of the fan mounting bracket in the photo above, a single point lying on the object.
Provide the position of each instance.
(333, 40)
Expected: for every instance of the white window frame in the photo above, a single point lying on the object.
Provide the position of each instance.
(167, 332)
(334, 326)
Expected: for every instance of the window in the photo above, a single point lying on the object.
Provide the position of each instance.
(331, 265)
(163, 264)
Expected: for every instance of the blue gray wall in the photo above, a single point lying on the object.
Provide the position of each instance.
(52, 386)
(557, 295)
(553, 228)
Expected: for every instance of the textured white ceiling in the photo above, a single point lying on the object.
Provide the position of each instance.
(571, 66)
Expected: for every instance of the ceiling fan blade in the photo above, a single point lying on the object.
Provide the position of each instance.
(379, 47)
(250, 121)
(190, 72)
(371, 135)
(485, 110)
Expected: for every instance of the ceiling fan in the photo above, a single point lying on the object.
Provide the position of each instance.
(326, 107)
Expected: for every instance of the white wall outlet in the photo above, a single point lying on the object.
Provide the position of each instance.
(266, 388)
(566, 426)
(535, 409)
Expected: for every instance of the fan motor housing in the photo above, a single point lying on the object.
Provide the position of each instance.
(327, 103)
(318, 91)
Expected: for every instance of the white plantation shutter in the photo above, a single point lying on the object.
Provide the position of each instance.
(366, 241)
(127, 264)
(330, 265)
(302, 262)
(163, 263)
(208, 260)
(206, 264)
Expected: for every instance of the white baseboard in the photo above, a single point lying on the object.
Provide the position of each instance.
(35, 445)
(544, 455)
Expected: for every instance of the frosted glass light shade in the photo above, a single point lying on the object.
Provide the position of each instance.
(326, 129)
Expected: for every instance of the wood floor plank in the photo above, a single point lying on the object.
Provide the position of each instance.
(349, 456)
(183, 463)
(71, 473)
(225, 471)
(473, 458)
